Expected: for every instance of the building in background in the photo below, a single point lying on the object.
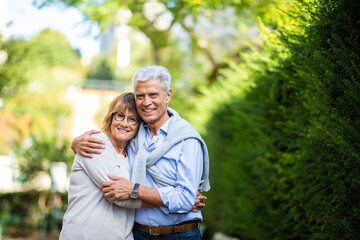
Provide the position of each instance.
(89, 106)
(117, 40)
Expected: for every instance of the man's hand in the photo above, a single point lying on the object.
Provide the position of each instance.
(119, 189)
(85, 145)
(199, 202)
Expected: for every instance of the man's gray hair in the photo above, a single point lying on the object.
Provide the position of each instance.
(153, 72)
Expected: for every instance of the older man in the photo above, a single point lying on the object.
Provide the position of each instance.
(169, 162)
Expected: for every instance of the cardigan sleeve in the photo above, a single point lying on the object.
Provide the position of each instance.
(98, 168)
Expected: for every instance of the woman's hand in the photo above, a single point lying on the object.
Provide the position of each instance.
(85, 145)
(199, 202)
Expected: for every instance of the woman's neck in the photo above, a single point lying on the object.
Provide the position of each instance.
(118, 146)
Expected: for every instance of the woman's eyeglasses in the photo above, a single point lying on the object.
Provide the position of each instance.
(120, 117)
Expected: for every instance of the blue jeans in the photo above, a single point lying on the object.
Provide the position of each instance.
(190, 235)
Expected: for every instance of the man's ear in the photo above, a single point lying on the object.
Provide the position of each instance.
(168, 96)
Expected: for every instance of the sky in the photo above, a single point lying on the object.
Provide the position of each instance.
(27, 20)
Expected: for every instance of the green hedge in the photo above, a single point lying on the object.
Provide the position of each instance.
(285, 152)
(28, 213)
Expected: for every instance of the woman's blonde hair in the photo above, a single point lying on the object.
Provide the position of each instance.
(125, 101)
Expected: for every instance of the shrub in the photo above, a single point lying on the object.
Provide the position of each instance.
(284, 153)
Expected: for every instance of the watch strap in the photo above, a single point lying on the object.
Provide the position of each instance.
(135, 192)
(136, 187)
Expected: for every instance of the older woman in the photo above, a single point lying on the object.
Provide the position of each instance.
(89, 214)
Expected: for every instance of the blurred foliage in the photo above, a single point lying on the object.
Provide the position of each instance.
(37, 153)
(28, 114)
(50, 49)
(48, 65)
(100, 68)
(283, 130)
(41, 212)
(13, 67)
(20, 59)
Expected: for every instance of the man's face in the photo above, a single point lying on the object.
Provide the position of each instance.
(151, 101)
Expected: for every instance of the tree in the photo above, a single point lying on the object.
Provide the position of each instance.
(45, 65)
(51, 49)
(160, 21)
(13, 67)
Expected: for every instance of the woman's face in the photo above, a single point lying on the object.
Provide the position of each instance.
(122, 127)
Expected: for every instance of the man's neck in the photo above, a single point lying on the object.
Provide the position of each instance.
(154, 127)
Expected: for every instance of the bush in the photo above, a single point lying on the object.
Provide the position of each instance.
(284, 153)
(24, 213)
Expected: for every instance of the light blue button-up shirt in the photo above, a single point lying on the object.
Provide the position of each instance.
(182, 163)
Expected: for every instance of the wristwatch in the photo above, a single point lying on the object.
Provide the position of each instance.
(135, 192)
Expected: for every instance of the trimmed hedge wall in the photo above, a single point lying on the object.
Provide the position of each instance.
(285, 156)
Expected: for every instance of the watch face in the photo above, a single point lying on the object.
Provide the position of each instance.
(134, 194)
